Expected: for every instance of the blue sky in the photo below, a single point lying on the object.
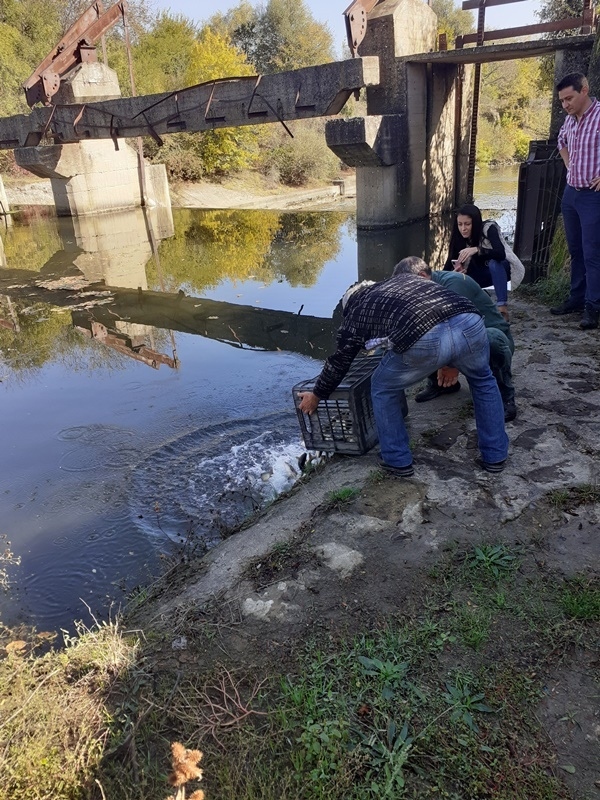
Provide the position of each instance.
(331, 12)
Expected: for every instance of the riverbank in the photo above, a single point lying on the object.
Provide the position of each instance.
(248, 190)
(375, 637)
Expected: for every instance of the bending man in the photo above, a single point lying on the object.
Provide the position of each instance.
(428, 327)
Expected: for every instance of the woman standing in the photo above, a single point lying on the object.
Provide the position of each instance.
(480, 254)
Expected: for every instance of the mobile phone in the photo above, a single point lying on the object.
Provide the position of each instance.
(454, 261)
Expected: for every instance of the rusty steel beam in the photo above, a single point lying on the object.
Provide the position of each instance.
(356, 22)
(77, 45)
(298, 94)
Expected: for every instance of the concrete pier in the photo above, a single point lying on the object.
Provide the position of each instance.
(90, 177)
(419, 118)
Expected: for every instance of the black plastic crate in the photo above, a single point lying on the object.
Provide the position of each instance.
(344, 423)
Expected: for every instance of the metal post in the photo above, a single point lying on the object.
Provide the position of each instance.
(476, 87)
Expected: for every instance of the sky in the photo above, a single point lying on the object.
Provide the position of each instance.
(331, 12)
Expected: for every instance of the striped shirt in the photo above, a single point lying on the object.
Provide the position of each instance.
(582, 140)
(402, 309)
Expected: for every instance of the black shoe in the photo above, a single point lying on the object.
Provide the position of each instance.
(397, 472)
(568, 307)
(590, 318)
(433, 391)
(510, 411)
(495, 466)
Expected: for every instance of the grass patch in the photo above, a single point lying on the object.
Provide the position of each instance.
(283, 561)
(55, 721)
(555, 287)
(340, 498)
(571, 497)
(580, 599)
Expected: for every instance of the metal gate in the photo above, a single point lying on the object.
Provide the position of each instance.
(541, 183)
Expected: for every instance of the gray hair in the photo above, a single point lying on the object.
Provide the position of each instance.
(356, 287)
(411, 265)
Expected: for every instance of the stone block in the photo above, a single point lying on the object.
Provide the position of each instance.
(88, 83)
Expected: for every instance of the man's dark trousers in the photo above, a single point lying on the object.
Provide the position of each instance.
(581, 216)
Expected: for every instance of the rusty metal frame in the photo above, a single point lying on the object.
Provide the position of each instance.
(76, 46)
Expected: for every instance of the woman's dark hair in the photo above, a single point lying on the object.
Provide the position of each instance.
(457, 241)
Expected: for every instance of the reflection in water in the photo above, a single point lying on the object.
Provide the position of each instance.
(106, 462)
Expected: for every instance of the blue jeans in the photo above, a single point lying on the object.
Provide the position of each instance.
(502, 348)
(581, 216)
(460, 342)
(499, 271)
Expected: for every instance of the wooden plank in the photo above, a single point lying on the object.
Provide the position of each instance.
(468, 5)
(503, 52)
(526, 30)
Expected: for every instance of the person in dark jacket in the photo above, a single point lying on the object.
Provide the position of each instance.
(502, 345)
(481, 255)
(427, 328)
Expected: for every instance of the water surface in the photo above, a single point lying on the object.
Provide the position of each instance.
(146, 400)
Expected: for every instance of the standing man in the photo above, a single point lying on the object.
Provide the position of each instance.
(427, 327)
(579, 146)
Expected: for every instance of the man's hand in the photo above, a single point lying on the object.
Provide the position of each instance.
(447, 376)
(308, 402)
(595, 184)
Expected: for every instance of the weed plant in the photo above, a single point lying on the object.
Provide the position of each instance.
(340, 497)
(554, 288)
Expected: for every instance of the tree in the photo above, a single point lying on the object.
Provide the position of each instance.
(213, 152)
(511, 110)
(279, 36)
(163, 56)
(452, 21)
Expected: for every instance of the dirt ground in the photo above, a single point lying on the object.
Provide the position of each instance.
(316, 566)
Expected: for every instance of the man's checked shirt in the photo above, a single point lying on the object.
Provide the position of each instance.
(402, 309)
(582, 140)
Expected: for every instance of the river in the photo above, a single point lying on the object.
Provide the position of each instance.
(146, 400)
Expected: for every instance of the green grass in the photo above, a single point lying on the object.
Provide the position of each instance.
(341, 497)
(554, 288)
(580, 599)
(573, 496)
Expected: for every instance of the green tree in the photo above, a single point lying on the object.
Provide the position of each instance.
(512, 111)
(163, 56)
(280, 36)
(452, 20)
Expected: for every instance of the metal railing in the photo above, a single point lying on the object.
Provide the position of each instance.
(541, 183)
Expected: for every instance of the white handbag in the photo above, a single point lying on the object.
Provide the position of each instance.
(517, 270)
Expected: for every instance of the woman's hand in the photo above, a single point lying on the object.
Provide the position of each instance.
(466, 254)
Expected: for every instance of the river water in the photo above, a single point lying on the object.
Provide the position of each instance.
(146, 401)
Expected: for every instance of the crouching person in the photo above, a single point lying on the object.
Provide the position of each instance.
(502, 345)
(428, 328)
